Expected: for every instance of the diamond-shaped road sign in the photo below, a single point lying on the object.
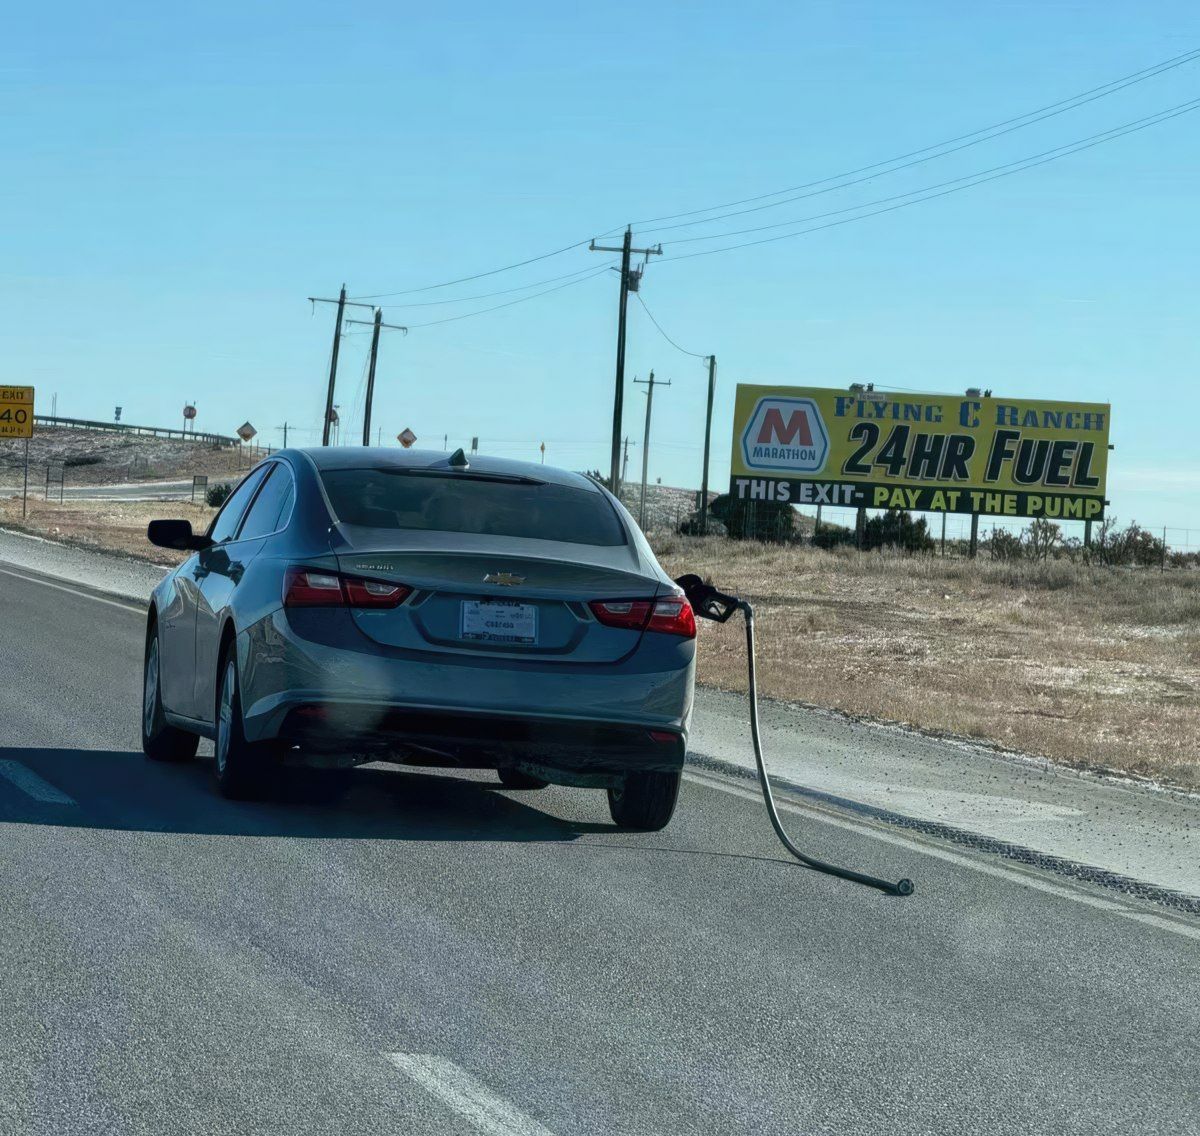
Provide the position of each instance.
(245, 431)
(406, 437)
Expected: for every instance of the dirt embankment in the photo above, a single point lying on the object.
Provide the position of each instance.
(107, 457)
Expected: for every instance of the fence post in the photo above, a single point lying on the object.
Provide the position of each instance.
(1163, 565)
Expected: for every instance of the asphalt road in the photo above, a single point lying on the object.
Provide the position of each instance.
(434, 955)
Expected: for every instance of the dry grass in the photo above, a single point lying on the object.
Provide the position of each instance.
(1091, 667)
(110, 526)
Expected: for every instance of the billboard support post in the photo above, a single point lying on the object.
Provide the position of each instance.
(943, 536)
(974, 536)
(860, 527)
(1087, 534)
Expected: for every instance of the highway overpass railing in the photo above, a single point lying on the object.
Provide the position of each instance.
(128, 428)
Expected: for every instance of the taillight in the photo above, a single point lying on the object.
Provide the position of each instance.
(373, 593)
(622, 613)
(315, 587)
(671, 615)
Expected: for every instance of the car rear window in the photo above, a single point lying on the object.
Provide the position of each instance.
(392, 499)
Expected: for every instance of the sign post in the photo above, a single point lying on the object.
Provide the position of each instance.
(16, 421)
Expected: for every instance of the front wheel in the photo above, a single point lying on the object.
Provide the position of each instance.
(160, 741)
(646, 801)
(237, 764)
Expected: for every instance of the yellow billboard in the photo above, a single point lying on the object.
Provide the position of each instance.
(928, 452)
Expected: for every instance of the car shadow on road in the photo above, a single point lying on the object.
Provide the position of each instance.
(120, 789)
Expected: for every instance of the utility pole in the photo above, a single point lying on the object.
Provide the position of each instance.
(712, 386)
(375, 325)
(630, 278)
(284, 428)
(650, 384)
(341, 302)
(625, 464)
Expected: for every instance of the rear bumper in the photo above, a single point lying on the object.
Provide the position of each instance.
(370, 697)
(435, 737)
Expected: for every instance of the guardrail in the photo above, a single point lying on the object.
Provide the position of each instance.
(128, 428)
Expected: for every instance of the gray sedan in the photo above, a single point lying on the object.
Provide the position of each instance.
(350, 605)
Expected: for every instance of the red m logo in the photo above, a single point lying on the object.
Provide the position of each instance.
(796, 430)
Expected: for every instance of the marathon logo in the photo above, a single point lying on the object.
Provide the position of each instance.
(786, 434)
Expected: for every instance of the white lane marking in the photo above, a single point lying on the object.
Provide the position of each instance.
(470, 1098)
(126, 605)
(928, 847)
(32, 785)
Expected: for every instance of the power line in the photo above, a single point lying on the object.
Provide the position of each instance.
(994, 131)
(991, 131)
(502, 292)
(693, 354)
(480, 275)
(1014, 166)
(521, 300)
(1108, 136)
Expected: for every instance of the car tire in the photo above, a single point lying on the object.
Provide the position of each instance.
(646, 801)
(239, 767)
(160, 741)
(512, 778)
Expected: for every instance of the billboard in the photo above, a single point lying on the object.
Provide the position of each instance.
(939, 453)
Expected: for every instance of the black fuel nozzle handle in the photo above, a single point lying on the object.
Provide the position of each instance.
(706, 601)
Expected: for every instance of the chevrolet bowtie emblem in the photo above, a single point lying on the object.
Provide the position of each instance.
(507, 579)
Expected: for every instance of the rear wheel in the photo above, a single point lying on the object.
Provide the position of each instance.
(646, 801)
(512, 778)
(160, 741)
(238, 766)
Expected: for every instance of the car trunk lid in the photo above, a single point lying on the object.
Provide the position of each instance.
(529, 600)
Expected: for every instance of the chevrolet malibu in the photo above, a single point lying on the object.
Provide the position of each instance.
(352, 605)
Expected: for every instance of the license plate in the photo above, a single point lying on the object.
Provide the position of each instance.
(497, 622)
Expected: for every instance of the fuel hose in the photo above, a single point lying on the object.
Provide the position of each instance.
(900, 887)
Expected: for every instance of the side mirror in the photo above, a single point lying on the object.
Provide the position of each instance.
(177, 535)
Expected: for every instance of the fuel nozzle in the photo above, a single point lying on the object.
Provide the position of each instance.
(706, 601)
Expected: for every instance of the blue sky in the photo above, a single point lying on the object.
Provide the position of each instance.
(177, 181)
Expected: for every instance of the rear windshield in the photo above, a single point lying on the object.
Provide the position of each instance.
(391, 499)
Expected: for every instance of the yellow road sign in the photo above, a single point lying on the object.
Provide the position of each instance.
(16, 412)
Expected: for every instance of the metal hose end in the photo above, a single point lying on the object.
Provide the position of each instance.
(905, 887)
